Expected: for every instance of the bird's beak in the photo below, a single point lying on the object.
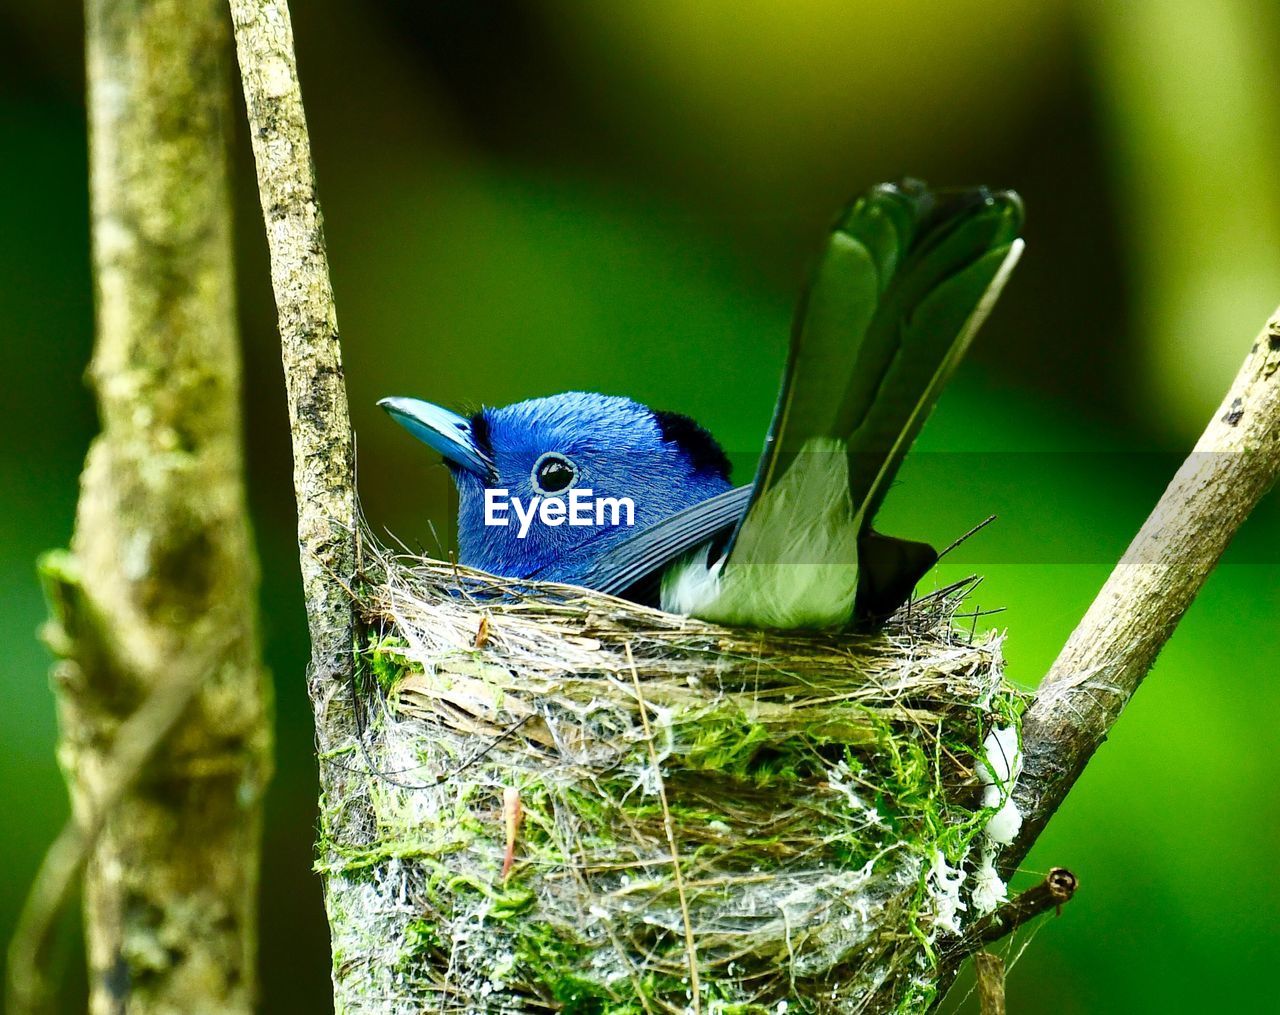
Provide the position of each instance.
(441, 430)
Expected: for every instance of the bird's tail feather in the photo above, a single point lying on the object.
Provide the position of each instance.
(904, 282)
(941, 291)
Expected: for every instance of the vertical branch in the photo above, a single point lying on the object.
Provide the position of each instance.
(162, 700)
(320, 426)
(323, 453)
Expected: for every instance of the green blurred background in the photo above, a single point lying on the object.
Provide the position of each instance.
(525, 197)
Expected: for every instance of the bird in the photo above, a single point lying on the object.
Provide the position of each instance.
(905, 278)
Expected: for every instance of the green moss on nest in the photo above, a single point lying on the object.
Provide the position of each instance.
(809, 783)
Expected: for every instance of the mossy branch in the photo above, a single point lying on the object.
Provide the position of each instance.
(139, 737)
(1233, 465)
(162, 700)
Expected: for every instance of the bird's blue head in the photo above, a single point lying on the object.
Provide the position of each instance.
(545, 485)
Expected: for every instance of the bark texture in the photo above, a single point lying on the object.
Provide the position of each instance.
(159, 587)
(990, 983)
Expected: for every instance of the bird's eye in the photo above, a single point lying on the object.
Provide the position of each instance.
(553, 473)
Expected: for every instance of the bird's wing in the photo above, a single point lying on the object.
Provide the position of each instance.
(906, 278)
(641, 555)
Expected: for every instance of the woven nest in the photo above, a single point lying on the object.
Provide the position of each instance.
(585, 805)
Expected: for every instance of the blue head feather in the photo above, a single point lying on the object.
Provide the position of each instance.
(614, 447)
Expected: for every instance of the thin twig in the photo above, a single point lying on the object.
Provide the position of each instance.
(1057, 889)
(320, 425)
(962, 539)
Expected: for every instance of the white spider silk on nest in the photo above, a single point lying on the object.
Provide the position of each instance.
(999, 773)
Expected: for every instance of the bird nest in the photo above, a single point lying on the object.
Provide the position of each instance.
(562, 801)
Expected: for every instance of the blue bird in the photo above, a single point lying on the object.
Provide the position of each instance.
(603, 492)
(546, 450)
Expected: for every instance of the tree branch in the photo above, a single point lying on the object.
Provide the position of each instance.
(1234, 464)
(323, 451)
(162, 701)
(320, 426)
(30, 985)
(1057, 889)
